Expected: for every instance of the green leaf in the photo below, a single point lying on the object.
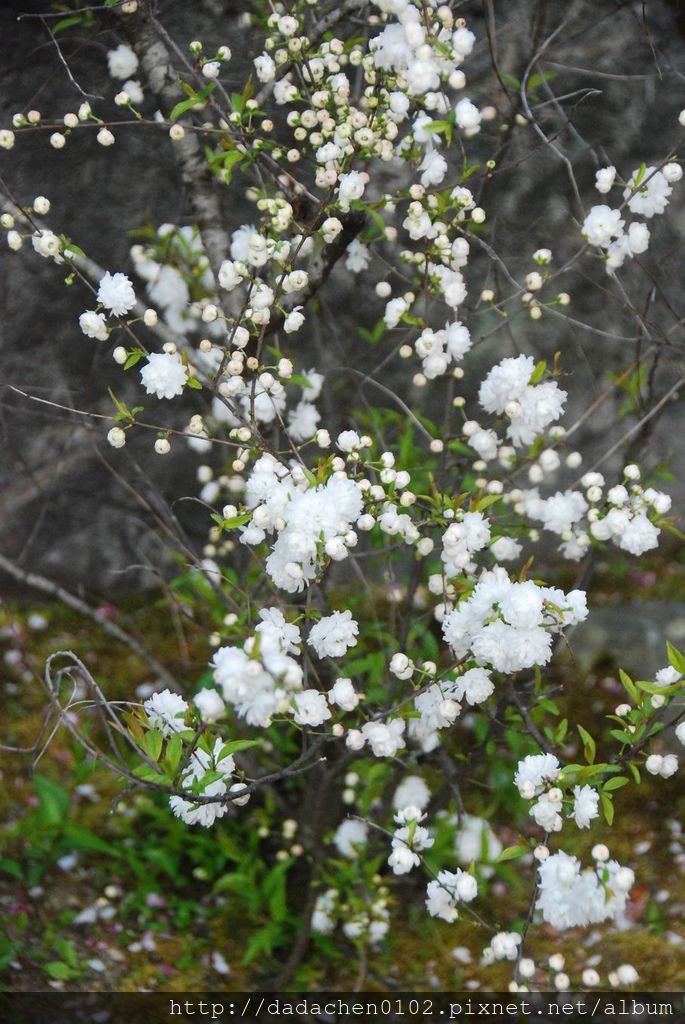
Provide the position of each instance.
(675, 658)
(539, 372)
(200, 785)
(512, 853)
(235, 746)
(194, 383)
(640, 174)
(147, 773)
(275, 890)
(621, 735)
(60, 971)
(192, 101)
(535, 80)
(174, 751)
(75, 19)
(665, 691)
(121, 407)
(83, 839)
(261, 943)
(635, 772)
(153, 744)
(297, 378)
(629, 686)
(590, 771)
(668, 525)
(234, 521)
(66, 951)
(589, 745)
(10, 867)
(72, 247)
(134, 358)
(486, 501)
(616, 783)
(239, 99)
(53, 800)
(607, 807)
(231, 161)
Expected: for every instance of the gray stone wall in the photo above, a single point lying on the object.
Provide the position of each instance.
(62, 511)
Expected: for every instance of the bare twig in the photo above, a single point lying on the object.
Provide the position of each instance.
(46, 586)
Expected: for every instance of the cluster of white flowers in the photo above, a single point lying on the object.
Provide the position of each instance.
(504, 946)
(417, 61)
(260, 678)
(530, 408)
(664, 765)
(202, 764)
(461, 539)
(646, 193)
(444, 894)
(371, 924)
(508, 626)
(384, 738)
(310, 522)
(438, 349)
(440, 704)
(166, 712)
(535, 777)
(411, 792)
(570, 897)
(623, 514)
(167, 266)
(408, 840)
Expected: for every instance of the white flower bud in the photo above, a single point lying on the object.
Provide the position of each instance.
(116, 437)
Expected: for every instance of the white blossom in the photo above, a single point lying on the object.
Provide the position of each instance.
(93, 325)
(332, 635)
(116, 294)
(122, 62)
(164, 375)
(166, 711)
